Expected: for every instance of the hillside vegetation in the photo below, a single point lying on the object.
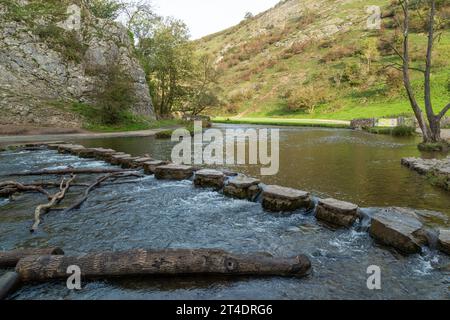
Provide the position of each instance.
(318, 59)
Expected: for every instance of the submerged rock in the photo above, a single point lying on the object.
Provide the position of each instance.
(209, 179)
(174, 172)
(337, 213)
(399, 229)
(276, 199)
(444, 241)
(150, 166)
(242, 187)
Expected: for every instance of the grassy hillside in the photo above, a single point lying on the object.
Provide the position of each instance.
(317, 59)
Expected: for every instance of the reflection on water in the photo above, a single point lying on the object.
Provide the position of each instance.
(166, 214)
(348, 165)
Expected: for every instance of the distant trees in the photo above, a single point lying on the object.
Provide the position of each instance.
(105, 9)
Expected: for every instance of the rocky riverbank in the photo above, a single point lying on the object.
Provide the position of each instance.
(437, 171)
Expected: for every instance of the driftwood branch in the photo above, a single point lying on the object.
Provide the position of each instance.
(68, 171)
(9, 259)
(8, 188)
(43, 208)
(161, 263)
(97, 183)
(8, 283)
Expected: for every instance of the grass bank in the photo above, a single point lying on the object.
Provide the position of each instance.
(338, 124)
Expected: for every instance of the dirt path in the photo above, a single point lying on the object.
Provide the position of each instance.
(446, 134)
(5, 140)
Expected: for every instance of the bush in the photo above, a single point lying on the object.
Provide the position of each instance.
(62, 41)
(105, 9)
(338, 52)
(307, 98)
(394, 81)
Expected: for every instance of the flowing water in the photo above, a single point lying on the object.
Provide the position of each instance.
(347, 165)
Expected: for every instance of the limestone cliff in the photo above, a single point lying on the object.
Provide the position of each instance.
(54, 53)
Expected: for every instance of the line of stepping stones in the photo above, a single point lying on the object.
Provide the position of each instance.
(398, 228)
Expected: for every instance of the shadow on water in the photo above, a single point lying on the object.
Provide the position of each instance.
(170, 214)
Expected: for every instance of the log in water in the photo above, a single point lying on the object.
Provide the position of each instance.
(8, 283)
(161, 263)
(9, 259)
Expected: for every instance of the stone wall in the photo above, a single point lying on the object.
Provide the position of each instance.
(38, 83)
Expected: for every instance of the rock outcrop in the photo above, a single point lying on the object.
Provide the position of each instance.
(51, 58)
(444, 241)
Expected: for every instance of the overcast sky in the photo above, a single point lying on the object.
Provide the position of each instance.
(208, 16)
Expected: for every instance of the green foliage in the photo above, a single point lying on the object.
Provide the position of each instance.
(105, 9)
(65, 42)
(307, 98)
(168, 58)
(116, 97)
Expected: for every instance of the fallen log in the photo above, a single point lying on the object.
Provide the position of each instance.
(161, 263)
(68, 171)
(8, 283)
(44, 208)
(9, 259)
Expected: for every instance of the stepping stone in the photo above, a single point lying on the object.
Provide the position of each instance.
(108, 157)
(399, 229)
(54, 146)
(69, 148)
(139, 162)
(444, 241)
(128, 162)
(174, 172)
(242, 187)
(209, 179)
(281, 199)
(337, 213)
(150, 166)
(116, 159)
(85, 152)
(101, 153)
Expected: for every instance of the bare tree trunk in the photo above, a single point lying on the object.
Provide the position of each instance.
(8, 283)
(9, 259)
(406, 77)
(162, 263)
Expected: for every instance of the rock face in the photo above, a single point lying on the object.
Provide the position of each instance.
(242, 187)
(337, 213)
(399, 229)
(41, 75)
(281, 199)
(209, 179)
(174, 172)
(444, 241)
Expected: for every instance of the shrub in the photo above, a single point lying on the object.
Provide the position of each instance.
(338, 52)
(394, 81)
(65, 42)
(307, 98)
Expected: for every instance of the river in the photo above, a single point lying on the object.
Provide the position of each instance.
(348, 165)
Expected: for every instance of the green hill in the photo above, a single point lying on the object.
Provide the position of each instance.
(317, 59)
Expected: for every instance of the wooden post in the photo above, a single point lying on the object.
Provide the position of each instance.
(9, 259)
(161, 263)
(8, 283)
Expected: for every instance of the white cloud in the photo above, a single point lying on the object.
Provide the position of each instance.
(209, 16)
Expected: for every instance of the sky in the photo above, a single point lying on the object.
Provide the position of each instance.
(204, 17)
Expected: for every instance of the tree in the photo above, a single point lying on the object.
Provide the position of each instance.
(167, 57)
(203, 89)
(370, 52)
(431, 124)
(248, 16)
